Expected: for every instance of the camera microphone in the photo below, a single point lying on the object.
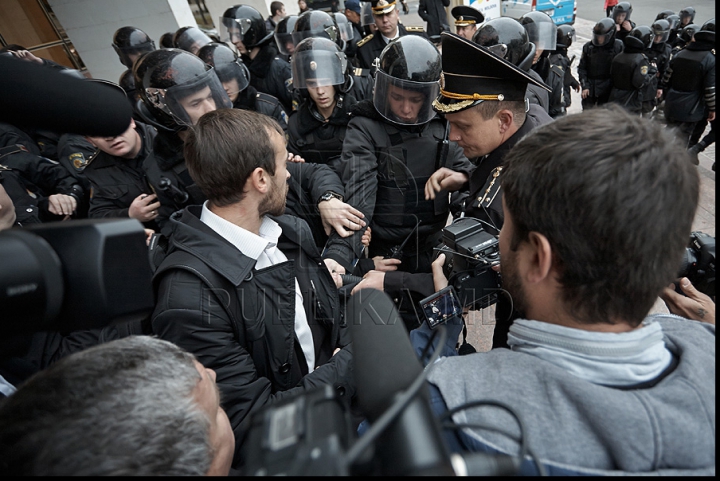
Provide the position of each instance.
(385, 366)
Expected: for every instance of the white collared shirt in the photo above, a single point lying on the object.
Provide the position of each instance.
(387, 39)
(263, 249)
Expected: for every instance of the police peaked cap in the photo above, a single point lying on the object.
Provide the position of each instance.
(472, 74)
(466, 15)
(381, 7)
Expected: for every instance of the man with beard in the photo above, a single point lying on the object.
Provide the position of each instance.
(594, 232)
(243, 287)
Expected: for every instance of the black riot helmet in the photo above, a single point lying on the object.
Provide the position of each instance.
(687, 15)
(228, 66)
(131, 42)
(319, 62)
(541, 29)
(619, 9)
(706, 32)
(565, 35)
(316, 23)
(176, 87)
(643, 33)
(190, 39)
(603, 32)
(661, 30)
(243, 23)
(687, 33)
(407, 80)
(508, 39)
(166, 40)
(347, 31)
(664, 14)
(674, 21)
(127, 82)
(283, 34)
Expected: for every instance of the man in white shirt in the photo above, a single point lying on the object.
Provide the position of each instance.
(243, 286)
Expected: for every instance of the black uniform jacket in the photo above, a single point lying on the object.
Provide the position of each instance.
(269, 73)
(370, 48)
(116, 182)
(251, 343)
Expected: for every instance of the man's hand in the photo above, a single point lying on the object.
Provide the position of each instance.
(336, 270)
(373, 279)
(61, 204)
(385, 265)
(294, 158)
(439, 279)
(696, 305)
(342, 217)
(585, 93)
(27, 56)
(444, 179)
(711, 116)
(143, 208)
(366, 237)
(148, 235)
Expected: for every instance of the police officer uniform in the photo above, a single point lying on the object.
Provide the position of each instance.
(631, 74)
(117, 182)
(466, 15)
(473, 75)
(388, 162)
(595, 62)
(370, 47)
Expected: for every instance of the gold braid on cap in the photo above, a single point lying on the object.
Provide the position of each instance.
(467, 100)
(461, 21)
(382, 5)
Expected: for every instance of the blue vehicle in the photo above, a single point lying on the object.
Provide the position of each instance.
(561, 11)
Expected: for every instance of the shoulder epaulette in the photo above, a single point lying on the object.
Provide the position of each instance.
(358, 72)
(414, 29)
(365, 40)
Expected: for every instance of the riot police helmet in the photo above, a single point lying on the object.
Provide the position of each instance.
(687, 15)
(541, 29)
(643, 33)
(687, 33)
(508, 39)
(318, 62)
(706, 32)
(366, 14)
(316, 23)
(229, 67)
(661, 30)
(127, 82)
(166, 40)
(565, 35)
(131, 42)
(664, 14)
(347, 31)
(176, 88)
(190, 39)
(620, 9)
(243, 24)
(674, 21)
(407, 80)
(283, 34)
(603, 32)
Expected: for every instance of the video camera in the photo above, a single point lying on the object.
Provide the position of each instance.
(470, 252)
(73, 275)
(698, 263)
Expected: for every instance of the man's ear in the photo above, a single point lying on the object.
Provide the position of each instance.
(260, 180)
(505, 117)
(540, 258)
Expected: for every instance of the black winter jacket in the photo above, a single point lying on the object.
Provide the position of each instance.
(250, 343)
(690, 80)
(270, 74)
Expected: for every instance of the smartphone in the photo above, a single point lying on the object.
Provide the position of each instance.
(441, 307)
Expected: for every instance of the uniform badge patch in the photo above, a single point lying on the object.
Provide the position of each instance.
(644, 69)
(78, 160)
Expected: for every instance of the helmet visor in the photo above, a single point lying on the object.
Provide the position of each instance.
(403, 101)
(542, 34)
(187, 102)
(345, 27)
(233, 29)
(366, 16)
(231, 73)
(192, 40)
(285, 43)
(318, 68)
(330, 32)
(128, 55)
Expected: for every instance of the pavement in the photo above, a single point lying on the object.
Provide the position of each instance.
(481, 324)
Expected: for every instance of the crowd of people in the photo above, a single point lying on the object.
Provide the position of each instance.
(286, 157)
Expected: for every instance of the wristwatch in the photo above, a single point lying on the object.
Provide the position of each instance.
(329, 195)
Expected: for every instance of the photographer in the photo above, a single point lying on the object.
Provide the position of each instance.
(593, 233)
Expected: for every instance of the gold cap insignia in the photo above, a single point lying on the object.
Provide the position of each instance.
(313, 65)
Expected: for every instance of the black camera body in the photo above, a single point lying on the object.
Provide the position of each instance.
(470, 252)
(698, 263)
